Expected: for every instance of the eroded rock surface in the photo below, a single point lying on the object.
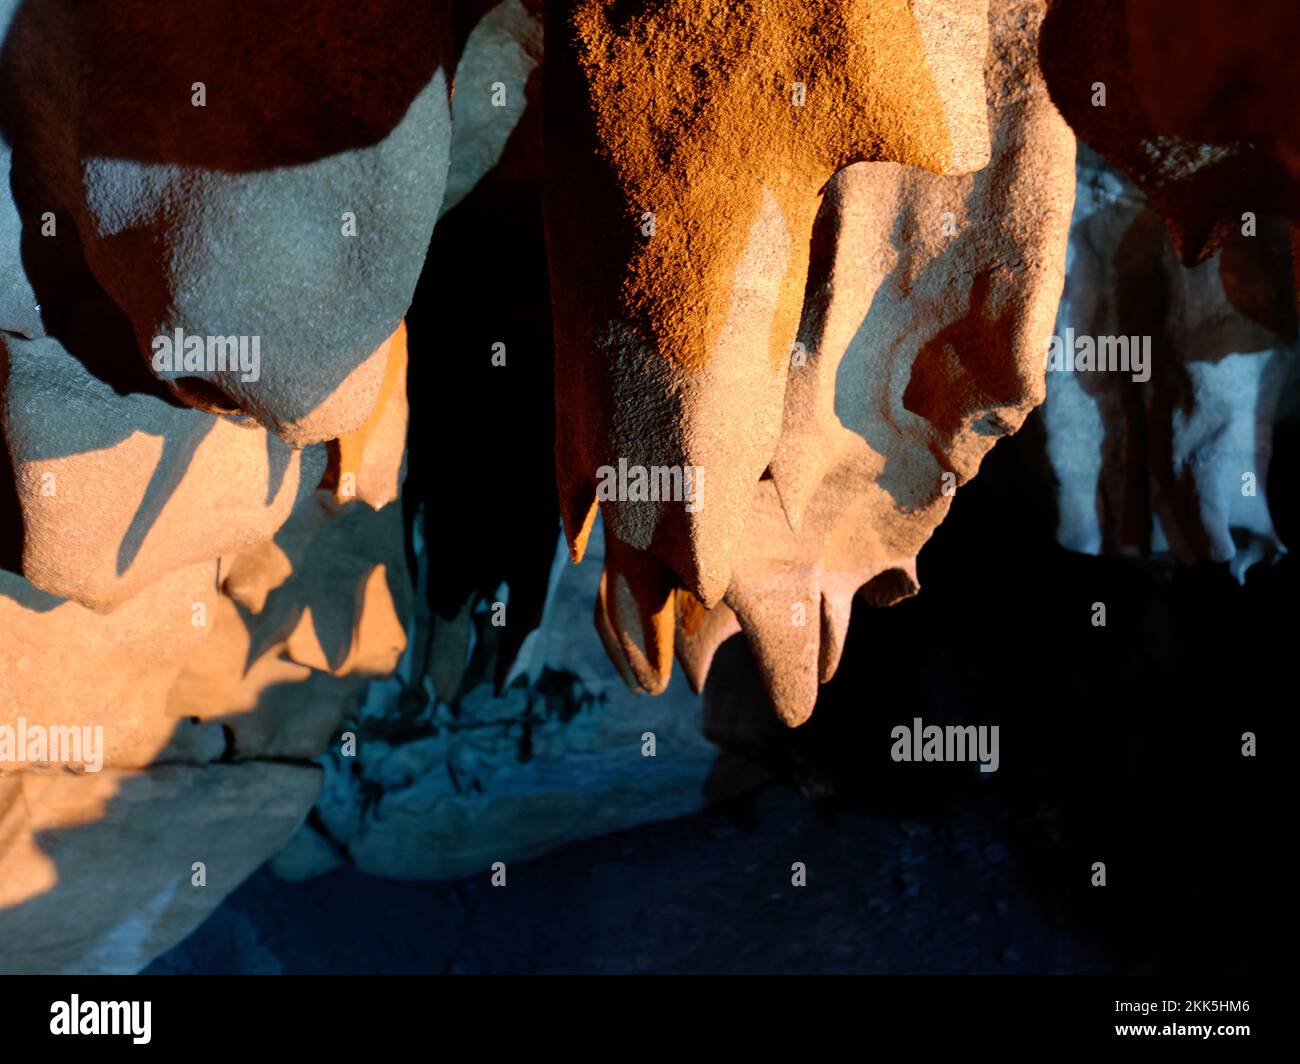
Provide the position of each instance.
(565, 752)
(1169, 456)
(1192, 101)
(687, 148)
(67, 904)
(928, 304)
(267, 174)
(210, 689)
(803, 258)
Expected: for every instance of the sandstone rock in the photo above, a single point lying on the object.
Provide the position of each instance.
(1175, 464)
(883, 410)
(305, 856)
(266, 707)
(195, 580)
(367, 463)
(289, 197)
(496, 76)
(19, 310)
(1197, 106)
(281, 679)
(342, 613)
(779, 266)
(118, 490)
(686, 150)
(64, 665)
(67, 904)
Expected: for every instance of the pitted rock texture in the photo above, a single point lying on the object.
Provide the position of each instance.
(687, 146)
(928, 304)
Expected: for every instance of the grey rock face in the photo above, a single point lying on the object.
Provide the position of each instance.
(240, 181)
(557, 757)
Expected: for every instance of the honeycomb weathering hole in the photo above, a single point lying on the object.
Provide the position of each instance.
(204, 395)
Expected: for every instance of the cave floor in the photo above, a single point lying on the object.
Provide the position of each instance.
(708, 893)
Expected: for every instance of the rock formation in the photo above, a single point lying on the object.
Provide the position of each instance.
(1191, 101)
(925, 312)
(281, 495)
(203, 556)
(1169, 459)
(1192, 105)
(693, 149)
